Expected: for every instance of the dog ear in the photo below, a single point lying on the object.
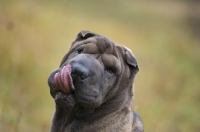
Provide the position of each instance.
(130, 59)
(84, 35)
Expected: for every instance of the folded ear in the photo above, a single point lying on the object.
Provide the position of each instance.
(84, 35)
(130, 59)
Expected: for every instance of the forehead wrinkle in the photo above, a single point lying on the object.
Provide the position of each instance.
(105, 45)
(79, 43)
(75, 45)
(91, 48)
(110, 60)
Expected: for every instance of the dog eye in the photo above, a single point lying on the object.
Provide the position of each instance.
(111, 70)
(80, 51)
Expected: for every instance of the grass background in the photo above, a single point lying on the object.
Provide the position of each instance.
(34, 36)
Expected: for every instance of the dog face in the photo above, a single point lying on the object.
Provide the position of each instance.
(91, 73)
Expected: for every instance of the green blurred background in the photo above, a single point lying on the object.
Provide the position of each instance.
(163, 35)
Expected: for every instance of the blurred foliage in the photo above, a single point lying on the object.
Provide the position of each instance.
(164, 36)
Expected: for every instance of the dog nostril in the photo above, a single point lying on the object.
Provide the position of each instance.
(73, 72)
(83, 75)
(79, 72)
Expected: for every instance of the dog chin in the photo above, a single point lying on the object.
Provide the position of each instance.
(88, 101)
(78, 106)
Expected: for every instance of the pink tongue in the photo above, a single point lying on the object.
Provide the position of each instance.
(63, 80)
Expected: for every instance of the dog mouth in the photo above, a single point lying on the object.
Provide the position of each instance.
(65, 94)
(63, 80)
(64, 87)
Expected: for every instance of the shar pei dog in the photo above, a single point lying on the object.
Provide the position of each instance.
(93, 87)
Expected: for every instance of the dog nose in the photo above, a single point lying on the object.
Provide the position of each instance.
(79, 72)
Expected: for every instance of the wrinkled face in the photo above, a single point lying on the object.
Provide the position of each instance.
(90, 74)
(87, 73)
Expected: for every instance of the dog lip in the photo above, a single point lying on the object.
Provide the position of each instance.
(63, 80)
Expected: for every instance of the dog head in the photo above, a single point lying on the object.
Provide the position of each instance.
(93, 72)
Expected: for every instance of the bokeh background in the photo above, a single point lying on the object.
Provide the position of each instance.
(163, 35)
